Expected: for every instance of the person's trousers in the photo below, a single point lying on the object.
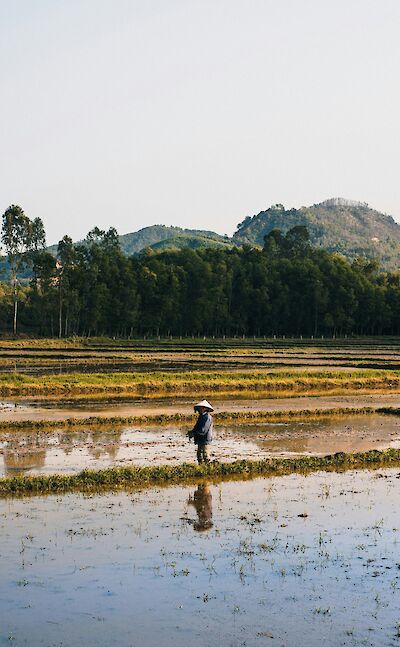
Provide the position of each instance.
(202, 454)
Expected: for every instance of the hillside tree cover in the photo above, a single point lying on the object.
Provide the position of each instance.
(287, 288)
(351, 228)
(336, 225)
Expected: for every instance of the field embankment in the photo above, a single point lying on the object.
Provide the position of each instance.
(191, 383)
(138, 477)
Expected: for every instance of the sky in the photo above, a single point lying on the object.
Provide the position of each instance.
(195, 113)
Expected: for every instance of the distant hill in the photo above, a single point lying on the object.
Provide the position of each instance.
(157, 237)
(337, 225)
(184, 241)
(162, 237)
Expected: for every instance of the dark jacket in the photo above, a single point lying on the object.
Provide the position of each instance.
(202, 431)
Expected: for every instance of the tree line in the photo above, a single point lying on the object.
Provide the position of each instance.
(287, 288)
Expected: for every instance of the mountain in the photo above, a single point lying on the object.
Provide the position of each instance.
(157, 237)
(337, 225)
(183, 241)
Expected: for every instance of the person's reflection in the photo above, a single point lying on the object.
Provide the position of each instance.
(105, 441)
(202, 503)
(23, 453)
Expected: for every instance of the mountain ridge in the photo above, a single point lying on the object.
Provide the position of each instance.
(338, 225)
(348, 227)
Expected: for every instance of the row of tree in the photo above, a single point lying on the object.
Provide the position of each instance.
(92, 288)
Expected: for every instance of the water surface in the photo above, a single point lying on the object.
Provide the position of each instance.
(103, 405)
(71, 450)
(281, 561)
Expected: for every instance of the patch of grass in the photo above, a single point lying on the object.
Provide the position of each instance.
(195, 382)
(139, 477)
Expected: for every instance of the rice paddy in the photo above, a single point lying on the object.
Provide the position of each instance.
(68, 450)
(111, 534)
(192, 382)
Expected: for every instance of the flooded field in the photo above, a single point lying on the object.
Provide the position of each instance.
(283, 561)
(68, 451)
(20, 409)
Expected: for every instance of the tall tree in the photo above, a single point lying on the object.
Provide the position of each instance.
(19, 236)
(65, 264)
(37, 236)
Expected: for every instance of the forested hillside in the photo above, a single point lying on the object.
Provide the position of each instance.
(183, 241)
(287, 287)
(201, 285)
(160, 237)
(337, 225)
(156, 236)
(350, 228)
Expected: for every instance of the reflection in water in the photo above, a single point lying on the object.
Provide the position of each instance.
(24, 454)
(23, 462)
(15, 462)
(202, 503)
(35, 451)
(102, 442)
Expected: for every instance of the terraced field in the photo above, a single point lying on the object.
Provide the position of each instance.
(39, 357)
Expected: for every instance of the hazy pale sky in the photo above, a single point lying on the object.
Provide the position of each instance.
(195, 113)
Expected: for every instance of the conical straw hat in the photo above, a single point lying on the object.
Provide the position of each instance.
(204, 404)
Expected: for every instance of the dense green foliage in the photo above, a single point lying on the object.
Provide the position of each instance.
(286, 288)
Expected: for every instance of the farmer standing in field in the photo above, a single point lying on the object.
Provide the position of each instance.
(202, 431)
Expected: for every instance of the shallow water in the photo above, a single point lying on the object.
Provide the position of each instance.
(286, 561)
(103, 406)
(71, 450)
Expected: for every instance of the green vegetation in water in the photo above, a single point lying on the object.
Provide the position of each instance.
(139, 477)
(182, 418)
(192, 382)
